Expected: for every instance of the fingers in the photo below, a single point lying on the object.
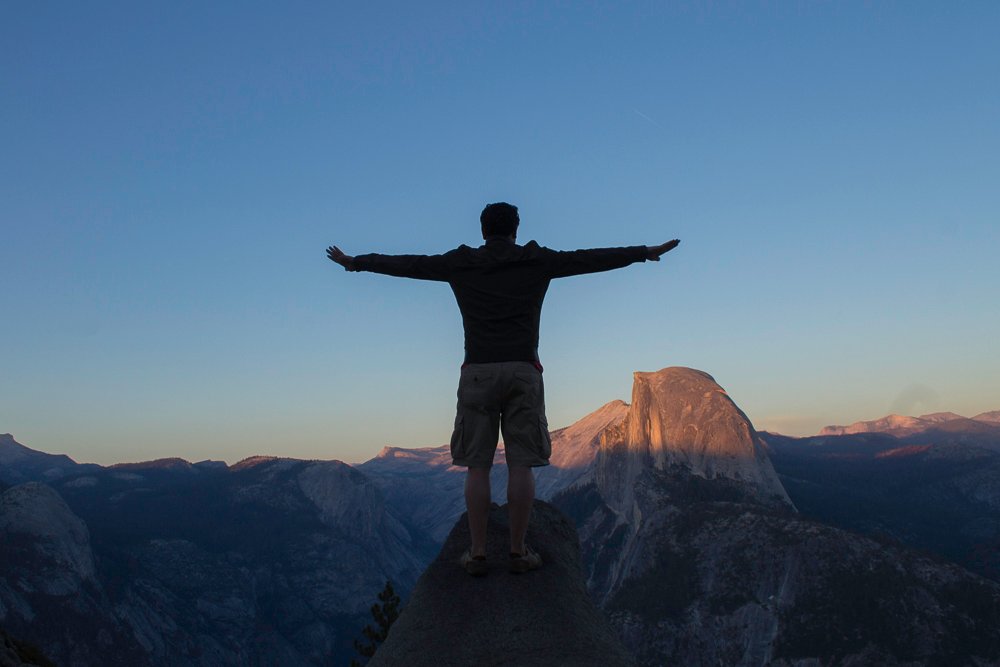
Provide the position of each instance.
(656, 251)
(668, 246)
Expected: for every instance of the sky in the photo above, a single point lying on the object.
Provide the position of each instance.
(171, 174)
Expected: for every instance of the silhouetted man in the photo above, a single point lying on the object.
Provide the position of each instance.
(499, 287)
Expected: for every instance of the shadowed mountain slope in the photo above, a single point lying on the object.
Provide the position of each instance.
(543, 618)
(941, 497)
(23, 464)
(271, 561)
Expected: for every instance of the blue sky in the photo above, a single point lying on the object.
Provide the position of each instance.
(170, 175)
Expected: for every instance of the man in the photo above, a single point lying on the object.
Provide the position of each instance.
(499, 287)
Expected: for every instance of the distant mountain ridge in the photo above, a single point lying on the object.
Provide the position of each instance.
(900, 425)
(21, 464)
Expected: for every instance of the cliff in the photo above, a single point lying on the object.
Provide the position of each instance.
(544, 618)
(682, 421)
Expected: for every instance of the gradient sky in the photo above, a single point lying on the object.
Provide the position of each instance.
(171, 173)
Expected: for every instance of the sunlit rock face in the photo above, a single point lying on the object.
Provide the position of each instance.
(681, 419)
(575, 448)
(896, 424)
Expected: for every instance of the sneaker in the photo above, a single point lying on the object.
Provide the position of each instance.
(474, 565)
(529, 560)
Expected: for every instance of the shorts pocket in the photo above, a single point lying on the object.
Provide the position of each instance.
(458, 439)
(546, 441)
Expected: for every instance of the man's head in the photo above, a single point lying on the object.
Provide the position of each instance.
(499, 219)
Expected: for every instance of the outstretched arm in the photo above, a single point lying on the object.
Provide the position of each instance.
(421, 267)
(576, 262)
(337, 255)
(656, 250)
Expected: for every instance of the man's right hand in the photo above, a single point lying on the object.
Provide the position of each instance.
(653, 252)
(337, 255)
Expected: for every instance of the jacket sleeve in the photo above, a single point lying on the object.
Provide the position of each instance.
(421, 267)
(574, 262)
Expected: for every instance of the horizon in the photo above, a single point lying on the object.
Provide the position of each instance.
(171, 177)
(355, 463)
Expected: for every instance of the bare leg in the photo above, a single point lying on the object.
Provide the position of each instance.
(520, 496)
(477, 502)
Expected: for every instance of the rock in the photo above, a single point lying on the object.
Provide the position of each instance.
(680, 418)
(543, 618)
(691, 546)
(43, 537)
(14, 653)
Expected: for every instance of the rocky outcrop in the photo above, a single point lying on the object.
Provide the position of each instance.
(681, 419)
(543, 618)
(50, 594)
(35, 516)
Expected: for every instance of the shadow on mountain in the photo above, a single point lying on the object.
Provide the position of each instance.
(544, 618)
(922, 490)
(270, 561)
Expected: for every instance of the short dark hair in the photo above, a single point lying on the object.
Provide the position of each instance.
(499, 219)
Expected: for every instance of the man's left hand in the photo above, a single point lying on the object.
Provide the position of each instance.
(654, 251)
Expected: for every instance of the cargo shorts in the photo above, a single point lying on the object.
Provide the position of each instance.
(506, 396)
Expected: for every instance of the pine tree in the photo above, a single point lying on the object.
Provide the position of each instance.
(385, 612)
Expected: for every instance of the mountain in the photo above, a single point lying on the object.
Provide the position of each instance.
(540, 618)
(682, 420)
(944, 498)
(50, 595)
(272, 561)
(989, 417)
(424, 487)
(20, 464)
(691, 545)
(982, 429)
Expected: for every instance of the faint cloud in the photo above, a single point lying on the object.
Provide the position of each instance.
(916, 399)
(642, 115)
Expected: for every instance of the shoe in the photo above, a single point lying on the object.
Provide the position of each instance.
(529, 560)
(474, 565)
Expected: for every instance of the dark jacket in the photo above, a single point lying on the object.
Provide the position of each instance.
(500, 287)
